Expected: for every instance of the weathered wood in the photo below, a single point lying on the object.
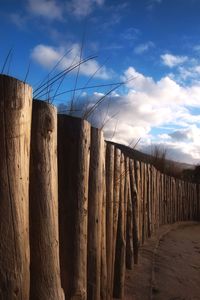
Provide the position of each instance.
(129, 233)
(44, 241)
(15, 123)
(73, 169)
(104, 279)
(134, 200)
(109, 214)
(139, 203)
(119, 275)
(95, 201)
(149, 201)
(116, 195)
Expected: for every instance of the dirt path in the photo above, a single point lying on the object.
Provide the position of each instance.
(169, 266)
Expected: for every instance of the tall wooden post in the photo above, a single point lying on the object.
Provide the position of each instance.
(116, 197)
(44, 241)
(73, 171)
(15, 124)
(109, 214)
(119, 274)
(95, 214)
(134, 199)
(104, 278)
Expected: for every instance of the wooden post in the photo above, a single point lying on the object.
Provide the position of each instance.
(104, 277)
(149, 201)
(44, 244)
(134, 200)
(95, 201)
(73, 170)
(15, 124)
(109, 214)
(139, 198)
(119, 275)
(129, 234)
(116, 195)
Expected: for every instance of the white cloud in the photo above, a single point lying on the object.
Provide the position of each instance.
(173, 60)
(82, 8)
(18, 19)
(48, 56)
(131, 34)
(140, 49)
(49, 9)
(151, 104)
(197, 48)
(190, 134)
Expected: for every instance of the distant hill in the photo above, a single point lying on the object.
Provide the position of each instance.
(147, 158)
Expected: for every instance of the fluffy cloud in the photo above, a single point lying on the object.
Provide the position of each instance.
(82, 8)
(49, 9)
(55, 10)
(140, 49)
(48, 56)
(190, 134)
(173, 60)
(150, 104)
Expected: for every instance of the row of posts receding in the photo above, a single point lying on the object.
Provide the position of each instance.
(74, 209)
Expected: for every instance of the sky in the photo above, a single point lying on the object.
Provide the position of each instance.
(151, 46)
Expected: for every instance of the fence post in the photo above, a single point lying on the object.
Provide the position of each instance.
(44, 241)
(73, 177)
(116, 195)
(120, 254)
(104, 276)
(15, 124)
(95, 201)
(109, 213)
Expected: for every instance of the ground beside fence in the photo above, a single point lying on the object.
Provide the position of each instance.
(169, 265)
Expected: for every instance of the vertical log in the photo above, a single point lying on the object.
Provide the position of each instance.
(145, 174)
(109, 214)
(95, 213)
(119, 275)
(142, 201)
(116, 195)
(149, 201)
(129, 234)
(73, 171)
(15, 123)
(44, 245)
(157, 200)
(104, 279)
(138, 186)
(134, 201)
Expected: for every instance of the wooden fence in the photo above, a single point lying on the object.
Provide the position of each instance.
(74, 209)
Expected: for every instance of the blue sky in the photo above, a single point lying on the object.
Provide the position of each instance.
(155, 42)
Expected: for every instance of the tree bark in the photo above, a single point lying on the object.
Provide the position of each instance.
(44, 240)
(73, 179)
(95, 214)
(109, 213)
(15, 131)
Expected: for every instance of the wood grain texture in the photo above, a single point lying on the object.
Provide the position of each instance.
(73, 181)
(95, 202)
(109, 214)
(44, 240)
(15, 126)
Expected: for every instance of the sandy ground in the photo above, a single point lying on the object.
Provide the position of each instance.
(169, 267)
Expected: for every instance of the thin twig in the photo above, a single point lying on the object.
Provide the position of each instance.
(28, 69)
(88, 87)
(78, 69)
(6, 60)
(94, 107)
(91, 77)
(60, 75)
(52, 70)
